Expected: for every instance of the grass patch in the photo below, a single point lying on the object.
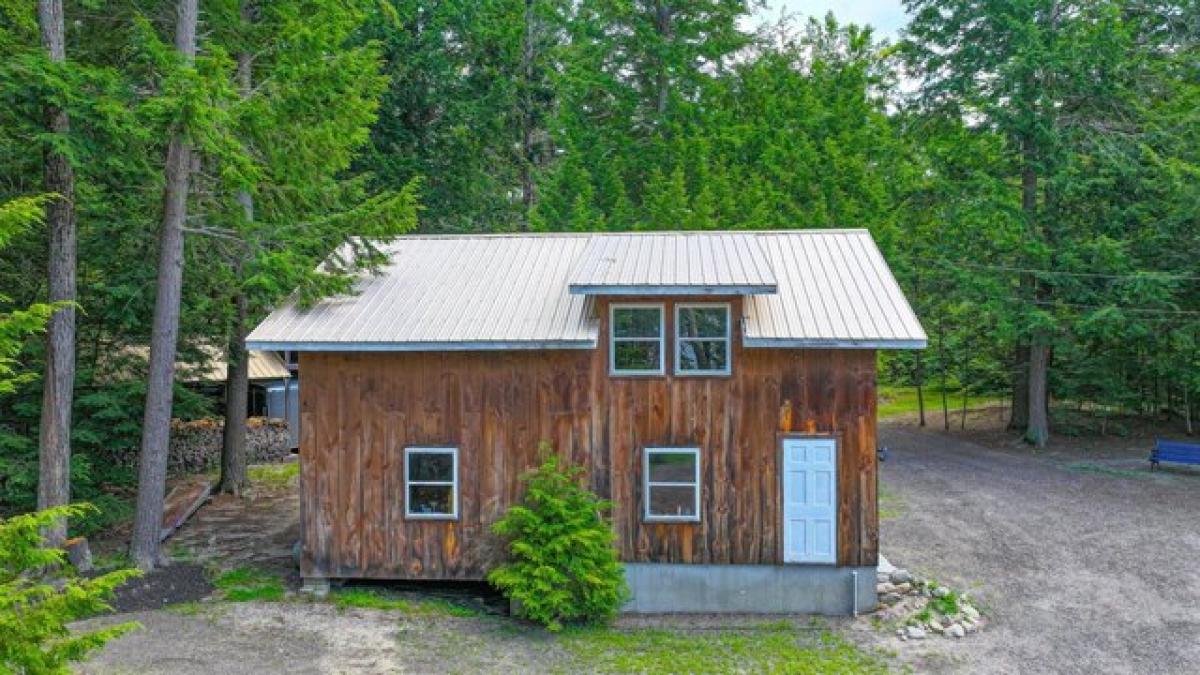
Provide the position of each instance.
(116, 560)
(769, 647)
(891, 505)
(1100, 469)
(279, 475)
(244, 584)
(370, 598)
(895, 401)
(191, 608)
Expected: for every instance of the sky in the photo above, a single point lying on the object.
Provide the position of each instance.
(886, 16)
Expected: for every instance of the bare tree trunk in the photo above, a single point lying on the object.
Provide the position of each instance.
(54, 436)
(1039, 425)
(156, 422)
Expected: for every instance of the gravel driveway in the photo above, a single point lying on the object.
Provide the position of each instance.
(1086, 562)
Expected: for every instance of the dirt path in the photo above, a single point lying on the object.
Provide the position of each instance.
(1087, 563)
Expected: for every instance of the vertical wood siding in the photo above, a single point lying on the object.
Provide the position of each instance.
(360, 410)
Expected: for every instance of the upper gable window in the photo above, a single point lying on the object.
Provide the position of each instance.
(636, 344)
(702, 337)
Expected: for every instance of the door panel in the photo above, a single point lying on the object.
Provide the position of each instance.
(810, 500)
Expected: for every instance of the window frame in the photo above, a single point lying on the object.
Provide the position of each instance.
(612, 339)
(647, 484)
(727, 339)
(431, 450)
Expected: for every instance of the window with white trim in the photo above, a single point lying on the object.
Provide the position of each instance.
(636, 339)
(702, 337)
(431, 483)
(672, 481)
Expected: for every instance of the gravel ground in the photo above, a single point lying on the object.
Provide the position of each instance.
(1085, 560)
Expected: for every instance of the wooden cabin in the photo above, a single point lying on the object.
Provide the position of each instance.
(719, 387)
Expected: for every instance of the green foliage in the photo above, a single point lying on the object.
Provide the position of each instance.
(34, 637)
(777, 647)
(16, 325)
(246, 584)
(947, 605)
(564, 566)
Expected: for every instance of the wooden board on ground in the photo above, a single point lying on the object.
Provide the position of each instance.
(184, 500)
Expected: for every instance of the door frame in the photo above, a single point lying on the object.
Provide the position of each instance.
(780, 438)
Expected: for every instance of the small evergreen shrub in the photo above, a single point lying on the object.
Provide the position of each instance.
(563, 565)
(34, 614)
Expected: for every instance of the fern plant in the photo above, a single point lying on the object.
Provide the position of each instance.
(563, 565)
(34, 614)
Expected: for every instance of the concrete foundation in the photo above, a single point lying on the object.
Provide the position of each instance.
(750, 589)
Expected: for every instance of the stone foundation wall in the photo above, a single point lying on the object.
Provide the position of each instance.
(196, 446)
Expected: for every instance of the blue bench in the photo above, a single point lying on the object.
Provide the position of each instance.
(1174, 451)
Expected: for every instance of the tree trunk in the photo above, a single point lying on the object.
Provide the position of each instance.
(528, 195)
(156, 422)
(54, 436)
(1038, 431)
(662, 23)
(920, 363)
(237, 386)
(237, 370)
(920, 389)
(1019, 418)
(942, 365)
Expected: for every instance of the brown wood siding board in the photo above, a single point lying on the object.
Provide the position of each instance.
(361, 410)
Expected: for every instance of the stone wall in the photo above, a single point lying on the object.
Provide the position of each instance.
(196, 445)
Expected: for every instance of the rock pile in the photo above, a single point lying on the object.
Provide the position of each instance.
(920, 608)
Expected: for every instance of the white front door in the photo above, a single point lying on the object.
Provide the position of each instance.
(809, 500)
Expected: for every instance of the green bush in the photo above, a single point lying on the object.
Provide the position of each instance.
(34, 614)
(563, 565)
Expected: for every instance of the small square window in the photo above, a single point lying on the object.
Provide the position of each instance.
(672, 480)
(636, 344)
(702, 339)
(431, 483)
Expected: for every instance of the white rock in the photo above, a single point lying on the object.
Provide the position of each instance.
(970, 612)
(901, 576)
(903, 587)
(885, 587)
(940, 592)
(935, 626)
(915, 633)
(970, 626)
(956, 631)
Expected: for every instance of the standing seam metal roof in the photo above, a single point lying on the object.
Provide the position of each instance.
(805, 288)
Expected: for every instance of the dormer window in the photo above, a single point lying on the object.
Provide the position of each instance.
(636, 342)
(702, 337)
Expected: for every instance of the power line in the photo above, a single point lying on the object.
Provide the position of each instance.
(1027, 270)
(1149, 310)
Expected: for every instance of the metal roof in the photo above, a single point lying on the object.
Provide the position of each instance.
(210, 368)
(835, 289)
(448, 293)
(832, 288)
(673, 263)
